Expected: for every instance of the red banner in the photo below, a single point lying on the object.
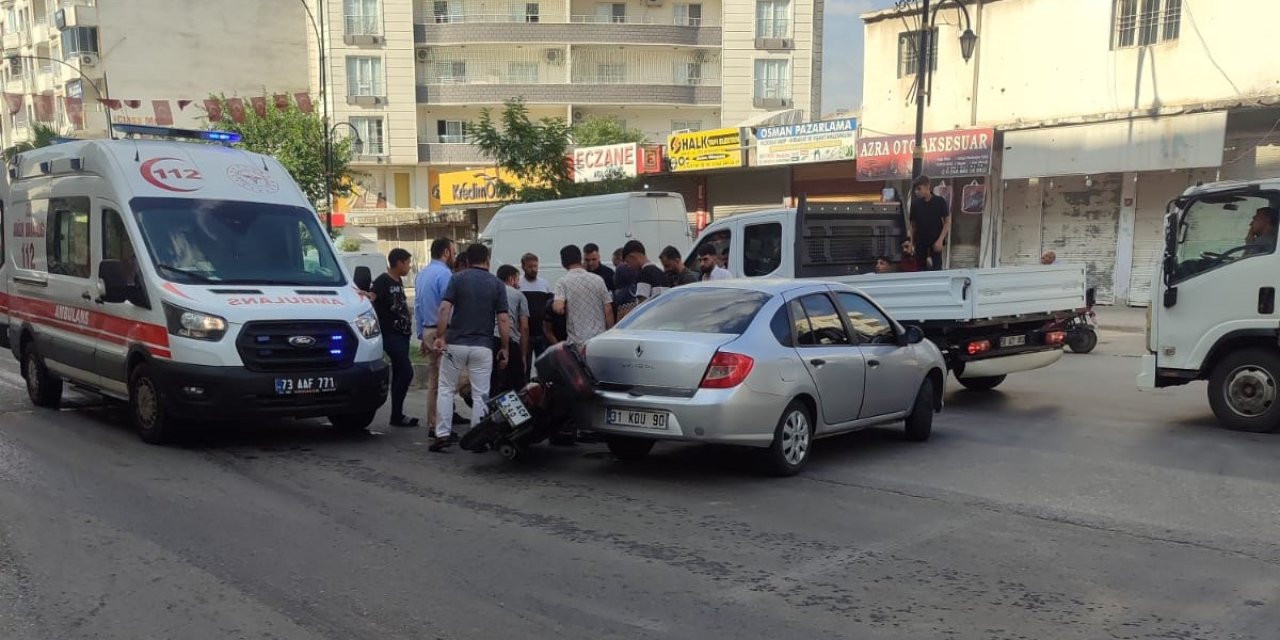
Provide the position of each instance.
(110, 103)
(183, 104)
(236, 107)
(133, 104)
(14, 102)
(214, 109)
(948, 154)
(282, 101)
(164, 113)
(75, 111)
(259, 105)
(304, 102)
(44, 107)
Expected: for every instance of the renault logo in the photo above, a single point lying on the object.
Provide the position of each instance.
(639, 351)
(302, 342)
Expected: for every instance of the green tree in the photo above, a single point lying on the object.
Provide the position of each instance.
(537, 152)
(601, 130)
(44, 136)
(294, 138)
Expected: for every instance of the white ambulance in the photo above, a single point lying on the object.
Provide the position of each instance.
(193, 281)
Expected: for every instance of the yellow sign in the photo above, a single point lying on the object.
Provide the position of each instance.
(475, 187)
(712, 149)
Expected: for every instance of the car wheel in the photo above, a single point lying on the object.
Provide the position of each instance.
(792, 441)
(628, 448)
(920, 422)
(146, 408)
(981, 384)
(44, 388)
(1082, 340)
(353, 422)
(1242, 390)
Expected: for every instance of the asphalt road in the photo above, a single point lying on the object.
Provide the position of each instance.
(1065, 505)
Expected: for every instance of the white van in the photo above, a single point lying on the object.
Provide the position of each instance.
(655, 218)
(193, 281)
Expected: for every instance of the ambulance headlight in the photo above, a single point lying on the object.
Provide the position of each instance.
(367, 325)
(193, 324)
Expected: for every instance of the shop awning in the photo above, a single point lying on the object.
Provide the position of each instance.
(1143, 144)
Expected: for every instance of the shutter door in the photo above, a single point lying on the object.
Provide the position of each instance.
(1081, 224)
(1020, 225)
(1155, 190)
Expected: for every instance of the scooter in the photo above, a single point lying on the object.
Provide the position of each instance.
(1081, 328)
(542, 410)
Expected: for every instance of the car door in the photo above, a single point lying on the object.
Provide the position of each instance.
(125, 322)
(893, 370)
(834, 362)
(66, 314)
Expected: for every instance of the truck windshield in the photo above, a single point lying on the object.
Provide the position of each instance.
(1224, 228)
(227, 242)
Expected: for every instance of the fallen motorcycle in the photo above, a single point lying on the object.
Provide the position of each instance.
(1081, 327)
(542, 410)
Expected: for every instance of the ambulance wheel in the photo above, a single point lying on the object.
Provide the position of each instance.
(44, 389)
(146, 408)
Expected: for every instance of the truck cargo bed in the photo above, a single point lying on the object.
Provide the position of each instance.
(967, 295)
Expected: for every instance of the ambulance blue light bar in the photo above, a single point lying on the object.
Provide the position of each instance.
(226, 137)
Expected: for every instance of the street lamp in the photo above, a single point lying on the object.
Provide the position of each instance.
(101, 91)
(357, 147)
(968, 41)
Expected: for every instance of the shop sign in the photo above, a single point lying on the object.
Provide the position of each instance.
(475, 187)
(593, 164)
(712, 149)
(651, 158)
(823, 141)
(948, 154)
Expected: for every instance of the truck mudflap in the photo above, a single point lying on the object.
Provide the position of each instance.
(1004, 365)
(1147, 373)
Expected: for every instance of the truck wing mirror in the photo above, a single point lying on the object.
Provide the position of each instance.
(113, 282)
(363, 278)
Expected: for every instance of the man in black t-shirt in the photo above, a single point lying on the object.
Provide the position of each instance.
(930, 225)
(651, 280)
(591, 262)
(392, 307)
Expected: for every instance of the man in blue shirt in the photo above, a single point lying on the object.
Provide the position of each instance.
(429, 293)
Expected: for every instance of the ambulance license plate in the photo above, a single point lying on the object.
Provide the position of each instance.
(312, 385)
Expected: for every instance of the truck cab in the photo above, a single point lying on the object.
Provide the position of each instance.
(1213, 310)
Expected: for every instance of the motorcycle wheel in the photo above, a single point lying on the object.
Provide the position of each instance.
(1082, 340)
(510, 450)
(482, 436)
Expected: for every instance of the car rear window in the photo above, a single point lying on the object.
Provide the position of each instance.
(698, 310)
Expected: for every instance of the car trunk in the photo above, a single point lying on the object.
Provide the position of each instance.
(653, 362)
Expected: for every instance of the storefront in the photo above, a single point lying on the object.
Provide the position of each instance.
(961, 165)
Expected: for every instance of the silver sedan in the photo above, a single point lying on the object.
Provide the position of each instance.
(772, 364)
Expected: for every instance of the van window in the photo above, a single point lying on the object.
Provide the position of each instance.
(718, 241)
(116, 244)
(762, 249)
(67, 238)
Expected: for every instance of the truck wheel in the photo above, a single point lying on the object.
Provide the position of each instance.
(44, 388)
(1242, 390)
(792, 441)
(146, 408)
(920, 422)
(981, 384)
(352, 422)
(628, 448)
(1082, 340)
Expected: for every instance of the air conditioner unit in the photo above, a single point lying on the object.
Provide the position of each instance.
(89, 60)
(60, 19)
(555, 56)
(422, 55)
(653, 3)
(577, 116)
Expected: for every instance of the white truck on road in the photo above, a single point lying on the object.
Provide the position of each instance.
(1213, 309)
(988, 323)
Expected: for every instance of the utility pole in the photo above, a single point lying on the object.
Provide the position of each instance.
(922, 82)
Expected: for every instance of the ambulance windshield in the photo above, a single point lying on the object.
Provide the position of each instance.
(227, 242)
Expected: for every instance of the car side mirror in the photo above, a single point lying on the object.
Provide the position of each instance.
(363, 278)
(113, 282)
(915, 335)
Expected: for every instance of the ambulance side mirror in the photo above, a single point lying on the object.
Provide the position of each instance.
(363, 278)
(113, 282)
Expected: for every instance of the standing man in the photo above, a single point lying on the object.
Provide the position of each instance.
(392, 307)
(673, 264)
(650, 279)
(582, 298)
(930, 225)
(591, 262)
(474, 301)
(429, 291)
(709, 264)
(512, 378)
(538, 294)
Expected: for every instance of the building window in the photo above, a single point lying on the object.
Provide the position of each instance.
(522, 72)
(364, 76)
(773, 80)
(688, 15)
(532, 12)
(451, 131)
(686, 125)
(362, 17)
(67, 239)
(689, 73)
(448, 72)
(78, 40)
(372, 138)
(909, 52)
(1146, 22)
(773, 18)
(615, 12)
(611, 72)
(446, 11)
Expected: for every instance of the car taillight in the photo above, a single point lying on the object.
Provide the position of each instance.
(979, 346)
(727, 370)
(1055, 338)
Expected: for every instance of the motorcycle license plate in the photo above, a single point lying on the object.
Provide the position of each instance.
(513, 409)
(1013, 341)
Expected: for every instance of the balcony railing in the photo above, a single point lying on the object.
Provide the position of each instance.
(363, 25)
(546, 18)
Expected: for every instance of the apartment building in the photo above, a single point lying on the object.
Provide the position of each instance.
(141, 52)
(409, 75)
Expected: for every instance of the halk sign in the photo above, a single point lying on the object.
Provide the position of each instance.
(949, 154)
(593, 164)
(810, 142)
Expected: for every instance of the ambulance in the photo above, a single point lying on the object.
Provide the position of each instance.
(189, 279)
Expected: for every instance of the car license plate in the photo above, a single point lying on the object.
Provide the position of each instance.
(636, 418)
(513, 409)
(1013, 341)
(305, 386)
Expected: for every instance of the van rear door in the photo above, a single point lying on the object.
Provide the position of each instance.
(62, 309)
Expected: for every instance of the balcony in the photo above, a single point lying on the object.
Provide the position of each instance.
(477, 28)
(575, 93)
(448, 150)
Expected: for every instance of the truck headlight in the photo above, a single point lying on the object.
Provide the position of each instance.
(194, 324)
(367, 325)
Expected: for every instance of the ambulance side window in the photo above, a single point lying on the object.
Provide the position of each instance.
(116, 244)
(67, 237)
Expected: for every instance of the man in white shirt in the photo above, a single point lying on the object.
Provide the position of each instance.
(709, 266)
(583, 299)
